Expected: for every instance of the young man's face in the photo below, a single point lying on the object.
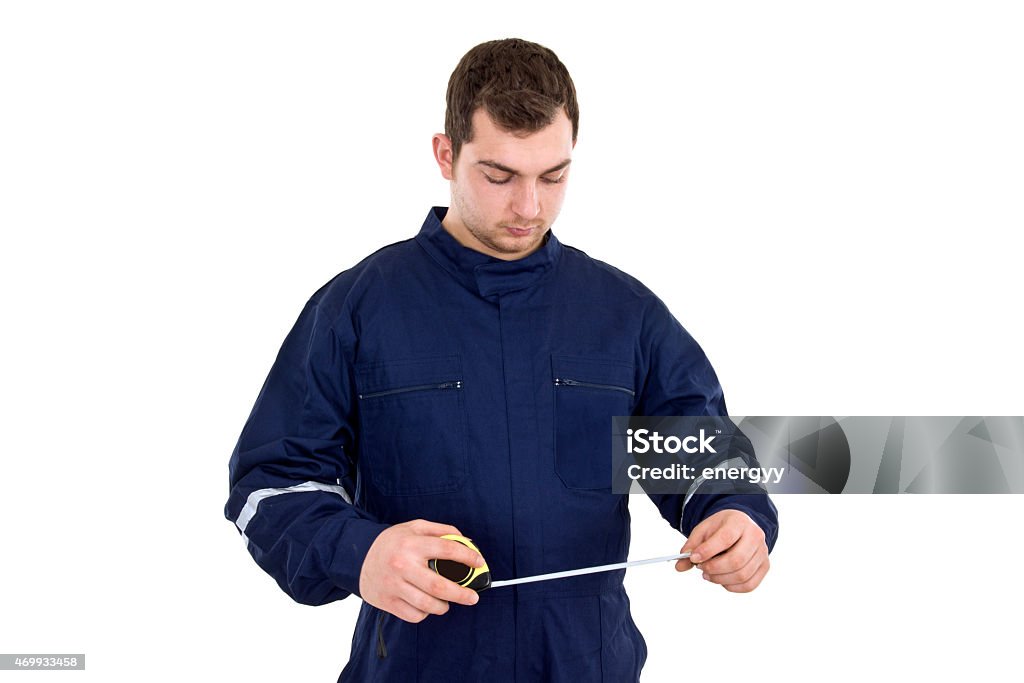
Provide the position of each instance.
(507, 189)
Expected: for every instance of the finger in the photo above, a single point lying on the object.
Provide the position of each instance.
(441, 588)
(699, 534)
(422, 601)
(751, 583)
(447, 549)
(406, 612)
(428, 528)
(691, 543)
(722, 539)
(739, 575)
(733, 559)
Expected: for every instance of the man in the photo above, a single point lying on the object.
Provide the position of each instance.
(462, 382)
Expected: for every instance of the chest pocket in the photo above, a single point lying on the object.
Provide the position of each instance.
(588, 392)
(412, 425)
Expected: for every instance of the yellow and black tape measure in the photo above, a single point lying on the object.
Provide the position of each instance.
(476, 578)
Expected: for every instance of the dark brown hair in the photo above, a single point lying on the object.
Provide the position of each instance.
(521, 85)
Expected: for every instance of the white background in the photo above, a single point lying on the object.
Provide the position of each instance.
(828, 196)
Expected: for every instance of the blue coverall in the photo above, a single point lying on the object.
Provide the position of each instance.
(428, 382)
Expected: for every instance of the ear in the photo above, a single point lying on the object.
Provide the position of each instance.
(443, 154)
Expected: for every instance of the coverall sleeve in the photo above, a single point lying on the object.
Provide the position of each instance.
(292, 473)
(681, 381)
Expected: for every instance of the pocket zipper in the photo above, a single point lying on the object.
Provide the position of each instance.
(559, 382)
(382, 650)
(421, 387)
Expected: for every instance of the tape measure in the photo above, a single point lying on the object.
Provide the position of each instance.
(479, 578)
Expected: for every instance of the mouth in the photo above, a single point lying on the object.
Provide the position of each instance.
(519, 232)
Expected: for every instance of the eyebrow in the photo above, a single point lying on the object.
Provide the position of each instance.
(502, 167)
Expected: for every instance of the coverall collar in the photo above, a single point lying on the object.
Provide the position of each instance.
(489, 276)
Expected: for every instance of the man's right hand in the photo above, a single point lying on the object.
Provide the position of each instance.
(395, 576)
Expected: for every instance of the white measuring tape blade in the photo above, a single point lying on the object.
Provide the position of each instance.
(588, 570)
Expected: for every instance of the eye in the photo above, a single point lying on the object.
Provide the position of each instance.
(554, 181)
(494, 181)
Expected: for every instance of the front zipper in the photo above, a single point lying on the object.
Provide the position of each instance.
(559, 382)
(420, 387)
(382, 650)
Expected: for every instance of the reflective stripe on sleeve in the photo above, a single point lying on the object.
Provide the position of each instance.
(725, 464)
(253, 501)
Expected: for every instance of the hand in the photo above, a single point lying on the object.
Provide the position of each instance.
(729, 548)
(395, 576)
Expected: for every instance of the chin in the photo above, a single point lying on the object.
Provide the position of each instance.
(515, 246)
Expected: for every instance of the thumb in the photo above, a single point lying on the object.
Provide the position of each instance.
(684, 565)
(696, 537)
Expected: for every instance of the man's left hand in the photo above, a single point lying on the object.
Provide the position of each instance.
(729, 548)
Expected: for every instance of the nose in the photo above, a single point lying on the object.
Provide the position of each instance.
(525, 202)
